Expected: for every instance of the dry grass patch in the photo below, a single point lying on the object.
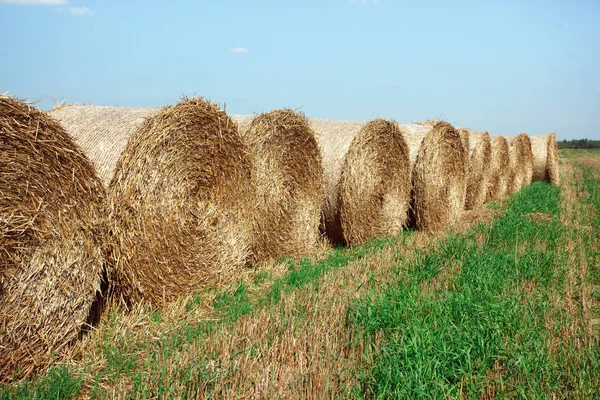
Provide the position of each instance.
(538, 217)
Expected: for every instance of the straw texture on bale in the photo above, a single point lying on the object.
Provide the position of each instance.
(527, 159)
(478, 175)
(181, 204)
(499, 169)
(288, 172)
(438, 175)
(427, 122)
(367, 179)
(520, 163)
(102, 132)
(545, 158)
(515, 173)
(465, 138)
(51, 235)
(414, 135)
(464, 134)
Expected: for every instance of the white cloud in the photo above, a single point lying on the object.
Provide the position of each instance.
(238, 50)
(36, 2)
(80, 10)
(72, 10)
(365, 2)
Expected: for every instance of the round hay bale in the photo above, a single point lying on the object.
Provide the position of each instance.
(478, 174)
(181, 203)
(545, 158)
(289, 181)
(499, 169)
(463, 132)
(527, 156)
(465, 138)
(515, 174)
(520, 163)
(367, 179)
(51, 235)
(438, 175)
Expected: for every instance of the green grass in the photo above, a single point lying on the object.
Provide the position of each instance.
(488, 332)
(591, 186)
(58, 383)
(574, 153)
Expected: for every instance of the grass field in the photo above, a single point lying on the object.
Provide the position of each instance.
(575, 153)
(506, 305)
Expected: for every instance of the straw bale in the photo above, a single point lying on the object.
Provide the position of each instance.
(520, 163)
(289, 183)
(527, 157)
(478, 167)
(51, 239)
(499, 169)
(182, 203)
(438, 175)
(367, 179)
(465, 138)
(180, 194)
(463, 132)
(515, 175)
(545, 158)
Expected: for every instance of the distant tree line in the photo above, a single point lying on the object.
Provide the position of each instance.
(579, 144)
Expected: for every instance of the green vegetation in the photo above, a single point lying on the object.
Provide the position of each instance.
(57, 384)
(575, 153)
(498, 327)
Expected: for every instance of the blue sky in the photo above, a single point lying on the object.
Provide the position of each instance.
(502, 66)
